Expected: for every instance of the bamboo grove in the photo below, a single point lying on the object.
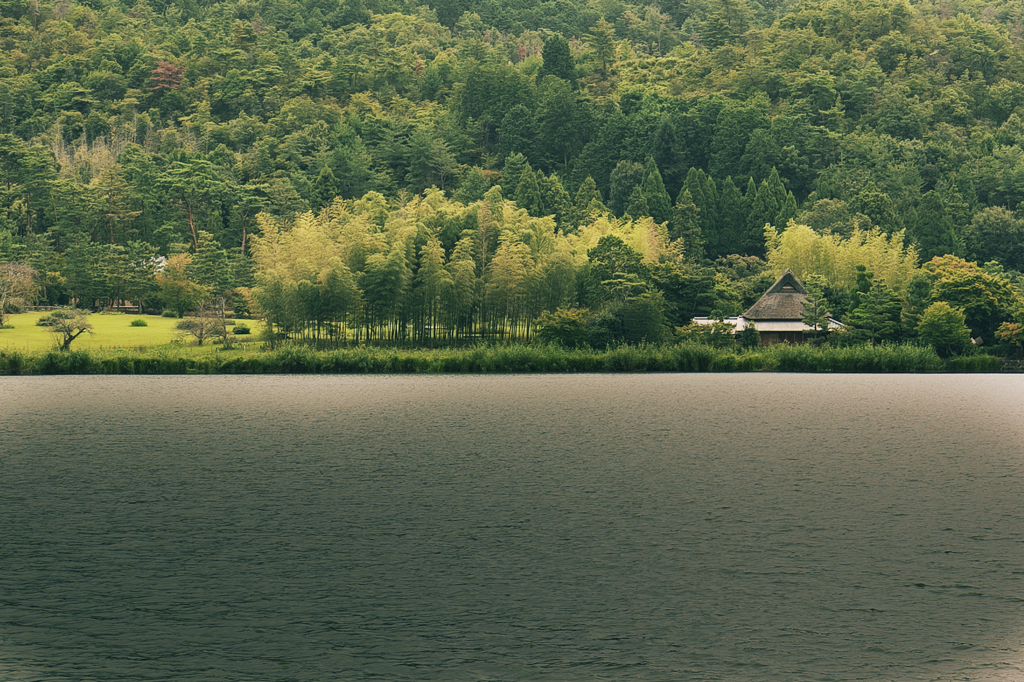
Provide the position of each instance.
(429, 270)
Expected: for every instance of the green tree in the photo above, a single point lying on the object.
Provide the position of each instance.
(515, 165)
(563, 327)
(659, 203)
(17, 287)
(602, 41)
(686, 226)
(67, 325)
(732, 222)
(587, 204)
(637, 207)
(515, 136)
(473, 186)
(558, 59)
(528, 194)
(986, 301)
(626, 177)
(877, 317)
(816, 308)
(945, 329)
(997, 233)
(178, 292)
(933, 230)
(193, 182)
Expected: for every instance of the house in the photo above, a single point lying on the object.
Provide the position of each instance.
(778, 314)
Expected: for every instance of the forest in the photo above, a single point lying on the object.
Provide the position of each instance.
(587, 172)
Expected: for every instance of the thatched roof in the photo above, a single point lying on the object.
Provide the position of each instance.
(783, 300)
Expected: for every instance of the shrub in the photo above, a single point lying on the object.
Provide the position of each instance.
(168, 313)
(565, 327)
(749, 337)
(139, 323)
(242, 328)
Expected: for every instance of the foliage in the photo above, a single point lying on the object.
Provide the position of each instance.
(139, 323)
(682, 357)
(67, 325)
(717, 334)
(133, 139)
(178, 291)
(17, 288)
(564, 327)
(749, 337)
(208, 322)
(987, 300)
(835, 259)
(944, 328)
(877, 318)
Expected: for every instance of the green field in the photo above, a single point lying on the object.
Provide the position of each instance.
(110, 331)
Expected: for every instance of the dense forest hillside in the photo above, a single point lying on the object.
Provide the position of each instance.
(473, 164)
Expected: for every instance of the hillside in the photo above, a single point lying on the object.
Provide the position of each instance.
(131, 131)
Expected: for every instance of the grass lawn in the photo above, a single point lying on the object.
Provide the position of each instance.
(110, 331)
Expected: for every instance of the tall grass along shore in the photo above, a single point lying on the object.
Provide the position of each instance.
(685, 357)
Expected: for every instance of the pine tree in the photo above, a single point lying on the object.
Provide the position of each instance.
(666, 145)
(586, 205)
(877, 317)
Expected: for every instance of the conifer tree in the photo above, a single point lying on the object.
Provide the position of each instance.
(473, 187)
(625, 178)
(763, 210)
(877, 317)
(693, 184)
(787, 212)
(732, 221)
(515, 164)
(517, 131)
(933, 229)
(602, 40)
(586, 204)
(686, 226)
(558, 59)
(637, 207)
(659, 203)
(528, 194)
(555, 200)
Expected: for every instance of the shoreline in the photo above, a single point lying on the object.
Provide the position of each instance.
(510, 359)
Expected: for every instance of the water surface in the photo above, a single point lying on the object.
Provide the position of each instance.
(578, 527)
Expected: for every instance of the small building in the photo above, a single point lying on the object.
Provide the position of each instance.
(778, 314)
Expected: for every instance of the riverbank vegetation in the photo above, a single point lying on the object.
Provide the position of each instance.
(534, 358)
(448, 174)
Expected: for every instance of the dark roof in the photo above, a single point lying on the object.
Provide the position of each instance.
(783, 301)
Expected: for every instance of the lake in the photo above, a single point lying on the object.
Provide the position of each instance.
(668, 527)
